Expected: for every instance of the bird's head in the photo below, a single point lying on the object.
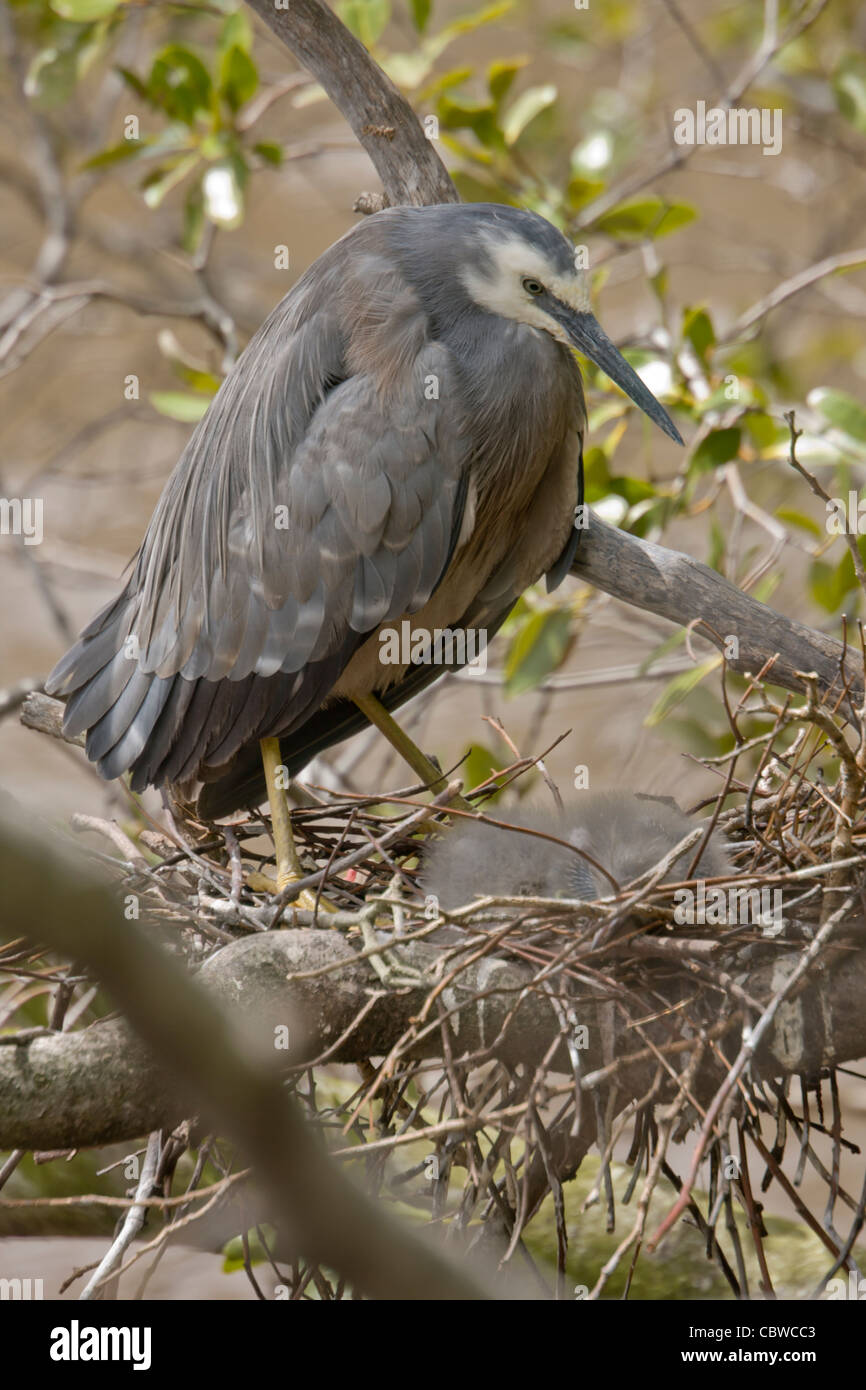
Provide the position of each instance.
(522, 268)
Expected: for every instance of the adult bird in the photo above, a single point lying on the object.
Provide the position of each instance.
(400, 440)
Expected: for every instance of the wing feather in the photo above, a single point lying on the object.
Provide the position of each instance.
(314, 501)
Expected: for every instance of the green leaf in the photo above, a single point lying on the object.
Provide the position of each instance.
(115, 154)
(719, 446)
(204, 382)
(161, 181)
(52, 76)
(179, 83)
(479, 764)
(193, 219)
(237, 32)
(406, 69)
(134, 81)
(233, 1250)
(366, 18)
(444, 81)
(538, 649)
(677, 689)
(764, 430)
(805, 523)
(842, 410)
(718, 546)
(525, 109)
(580, 190)
(84, 11)
(270, 152)
(477, 116)
(663, 649)
(698, 329)
(239, 77)
(467, 23)
(634, 490)
(676, 216)
(829, 585)
(473, 189)
(646, 217)
(180, 405)
(849, 86)
(420, 10)
(501, 74)
(596, 473)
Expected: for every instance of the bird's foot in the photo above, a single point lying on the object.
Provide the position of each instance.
(263, 883)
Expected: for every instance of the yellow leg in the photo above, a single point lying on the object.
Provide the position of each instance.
(288, 865)
(372, 707)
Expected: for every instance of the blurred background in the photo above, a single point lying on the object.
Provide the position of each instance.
(168, 172)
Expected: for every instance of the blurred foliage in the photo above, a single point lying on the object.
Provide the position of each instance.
(186, 131)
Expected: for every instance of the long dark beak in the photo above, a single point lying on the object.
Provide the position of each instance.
(588, 336)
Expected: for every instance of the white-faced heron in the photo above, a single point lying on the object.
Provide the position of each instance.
(400, 440)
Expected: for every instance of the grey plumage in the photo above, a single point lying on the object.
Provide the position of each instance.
(388, 446)
(627, 835)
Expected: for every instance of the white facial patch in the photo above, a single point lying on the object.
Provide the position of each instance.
(501, 291)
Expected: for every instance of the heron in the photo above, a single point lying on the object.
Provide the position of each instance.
(620, 836)
(401, 441)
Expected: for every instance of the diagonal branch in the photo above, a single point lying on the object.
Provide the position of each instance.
(208, 1052)
(380, 116)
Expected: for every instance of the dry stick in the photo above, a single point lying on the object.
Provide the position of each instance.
(132, 1222)
(288, 895)
(849, 537)
(330, 1221)
(832, 265)
(542, 767)
(635, 1235)
(753, 1037)
(99, 1199)
(168, 1233)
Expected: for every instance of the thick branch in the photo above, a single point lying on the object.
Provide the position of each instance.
(676, 586)
(381, 118)
(100, 1086)
(235, 1083)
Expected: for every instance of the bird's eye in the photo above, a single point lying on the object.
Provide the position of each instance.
(533, 286)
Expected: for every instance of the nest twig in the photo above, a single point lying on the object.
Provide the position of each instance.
(476, 1141)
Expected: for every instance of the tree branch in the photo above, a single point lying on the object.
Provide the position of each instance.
(204, 1051)
(380, 116)
(99, 1086)
(673, 585)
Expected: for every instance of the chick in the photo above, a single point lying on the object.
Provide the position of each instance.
(624, 833)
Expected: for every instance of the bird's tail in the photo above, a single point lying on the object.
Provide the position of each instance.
(108, 695)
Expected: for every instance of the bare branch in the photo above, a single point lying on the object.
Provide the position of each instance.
(383, 121)
(232, 1076)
